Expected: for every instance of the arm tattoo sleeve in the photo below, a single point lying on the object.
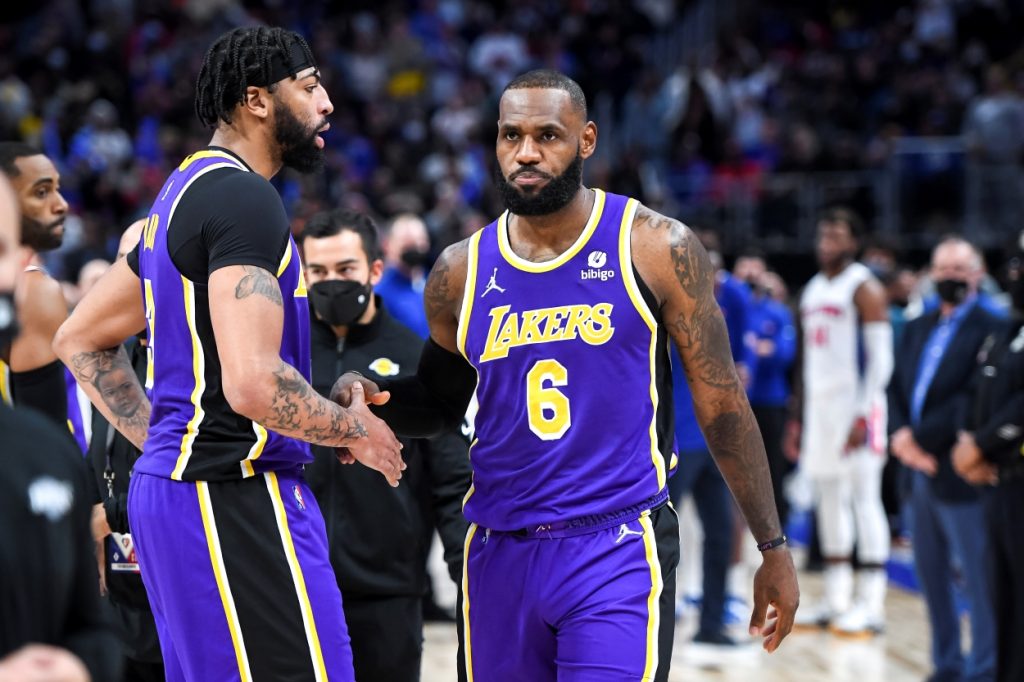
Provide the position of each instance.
(258, 282)
(109, 372)
(437, 292)
(721, 405)
(297, 410)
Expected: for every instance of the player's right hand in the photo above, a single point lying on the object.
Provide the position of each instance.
(379, 449)
(341, 392)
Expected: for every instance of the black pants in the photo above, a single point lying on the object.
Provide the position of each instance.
(1005, 507)
(387, 637)
(772, 422)
(142, 662)
(141, 671)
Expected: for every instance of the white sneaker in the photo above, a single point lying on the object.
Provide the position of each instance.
(858, 623)
(813, 617)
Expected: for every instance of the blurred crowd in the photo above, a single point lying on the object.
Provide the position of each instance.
(105, 87)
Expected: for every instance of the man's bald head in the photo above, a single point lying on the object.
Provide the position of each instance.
(130, 237)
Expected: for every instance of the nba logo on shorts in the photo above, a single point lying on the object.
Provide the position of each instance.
(298, 497)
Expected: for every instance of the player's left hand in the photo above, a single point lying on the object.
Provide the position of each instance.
(341, 392)
(776, 598)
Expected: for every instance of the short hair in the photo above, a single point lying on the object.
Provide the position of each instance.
(953, 239)
(550, 79)
(11, 151)
(844, 214)
(237, 59)
(330, 223)
(752, 252)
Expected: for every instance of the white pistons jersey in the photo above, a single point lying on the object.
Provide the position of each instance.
(831, 328)
(832, 372)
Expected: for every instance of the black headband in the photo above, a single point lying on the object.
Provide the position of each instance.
(284, 66)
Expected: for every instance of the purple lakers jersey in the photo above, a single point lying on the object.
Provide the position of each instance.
(573, 388)
(193, 433)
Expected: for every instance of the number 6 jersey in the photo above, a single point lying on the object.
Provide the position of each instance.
(573, 384)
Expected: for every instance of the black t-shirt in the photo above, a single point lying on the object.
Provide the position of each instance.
(224, 217)
(227, 217)
(48, 581)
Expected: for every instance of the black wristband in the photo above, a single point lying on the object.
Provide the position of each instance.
(772, 544)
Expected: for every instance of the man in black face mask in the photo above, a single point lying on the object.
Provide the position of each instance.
(37, 377)
(990, 451)
(406, 247)
(929, 395)
(379, 536)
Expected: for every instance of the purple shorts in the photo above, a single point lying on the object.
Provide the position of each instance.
(239, 578)
(580, 606)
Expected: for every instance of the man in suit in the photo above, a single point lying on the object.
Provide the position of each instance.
(929, 397)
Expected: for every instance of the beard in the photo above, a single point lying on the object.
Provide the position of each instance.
(297, 144)
(40, 236)
(550, 198)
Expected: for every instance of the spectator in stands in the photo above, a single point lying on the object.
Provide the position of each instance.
(771, 324)
(929, 396)
(697, 474)
(989, 450)
(406, 247)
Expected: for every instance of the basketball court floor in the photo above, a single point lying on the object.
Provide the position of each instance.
(900, 655)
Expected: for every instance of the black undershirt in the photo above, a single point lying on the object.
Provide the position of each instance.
(227, 217)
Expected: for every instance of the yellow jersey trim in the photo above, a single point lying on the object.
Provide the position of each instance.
(653, 611)
(547, 266)
(199, 376)
(5, 384)
(465, 600)
(255, 451)
(469, 292)
(312, 638)
(210, 154)
(285, 259)
(472, 487)
(150, 309)
(220, 575)
(633, 289)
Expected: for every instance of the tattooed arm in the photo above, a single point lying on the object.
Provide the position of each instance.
(247, 315)
(675, 266)
(435, 398)
(89, 343)
(442, 295)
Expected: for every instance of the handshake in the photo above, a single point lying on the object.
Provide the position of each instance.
(376, 445)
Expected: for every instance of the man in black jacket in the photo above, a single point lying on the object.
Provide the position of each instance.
(991, 451)
(929, 396)
(379, 536)
(52, 623)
